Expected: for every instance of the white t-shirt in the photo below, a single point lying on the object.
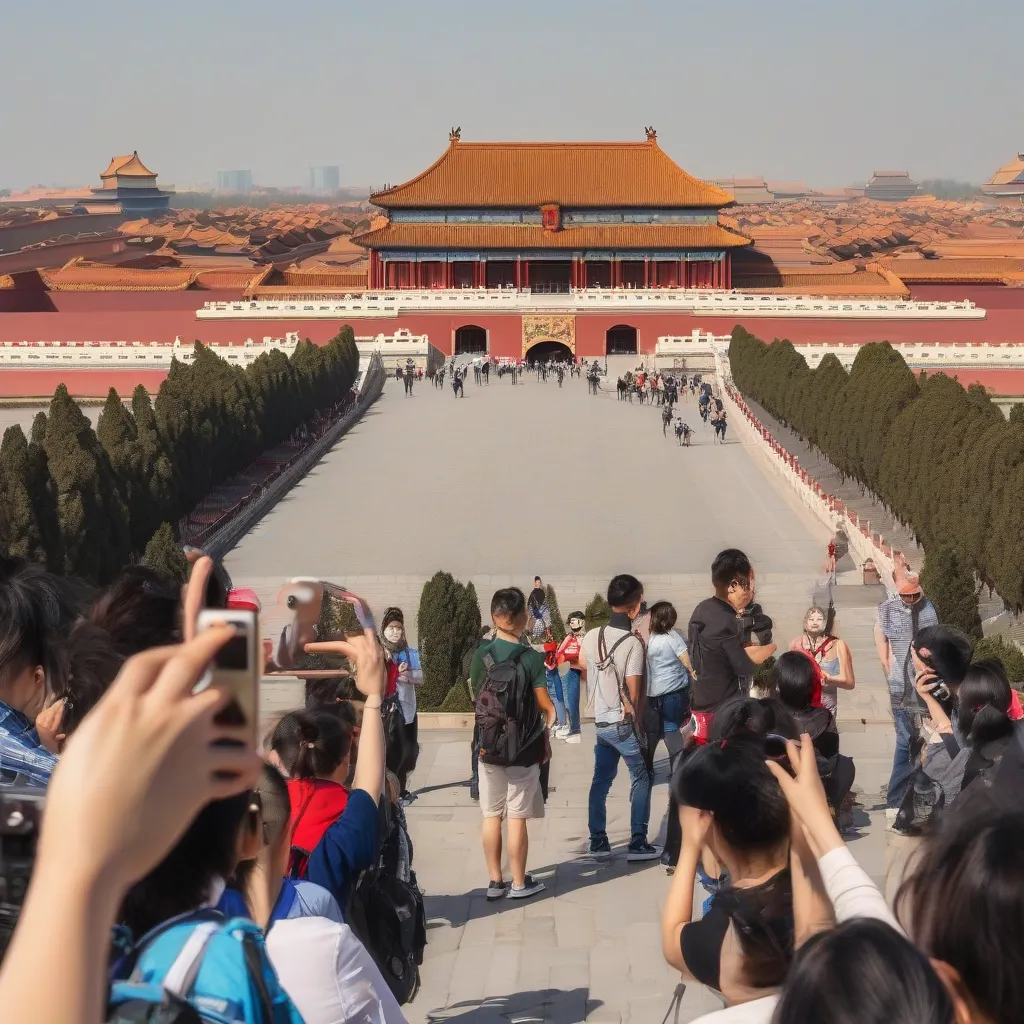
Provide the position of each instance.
(602, 684)
(329, 974)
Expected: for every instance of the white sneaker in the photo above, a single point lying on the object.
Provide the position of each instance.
(561, 732)
(890, 815)
(574, 737)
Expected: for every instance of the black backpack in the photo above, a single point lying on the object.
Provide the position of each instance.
(508, 718)
(387, 913)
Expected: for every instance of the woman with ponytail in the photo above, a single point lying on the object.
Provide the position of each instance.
(313, 748)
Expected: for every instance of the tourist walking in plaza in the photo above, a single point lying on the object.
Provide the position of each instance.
(612, 661)
(900, 618)
(457, 389)
(513, 714)
(719, 652)
(405, 662)
(667, 705)
(832, 655)
(567, 658)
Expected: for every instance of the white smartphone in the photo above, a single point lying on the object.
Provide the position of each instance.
(237, 666)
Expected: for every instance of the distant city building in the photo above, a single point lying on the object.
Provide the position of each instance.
(234, 181)
(891, 186)
(129, 184)
(326, 178)
(1007, 184)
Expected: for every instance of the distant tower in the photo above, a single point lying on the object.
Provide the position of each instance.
(325, 178)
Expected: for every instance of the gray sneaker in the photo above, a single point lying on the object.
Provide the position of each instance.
(497, 890)
(640, 850)
(600, 849)
(530, 888)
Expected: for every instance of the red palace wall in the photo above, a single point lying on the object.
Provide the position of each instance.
(161, 316)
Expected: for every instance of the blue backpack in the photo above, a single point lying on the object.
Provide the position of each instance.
(200, 968)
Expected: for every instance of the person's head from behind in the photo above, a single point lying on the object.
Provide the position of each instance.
(963, 905)
(796, 677)
(626, 595)
(765, 717)
(31, 644)
(943, 650)
(863, 972)
(508, 610)
(195, 869)
(983, 702)
(733, 578)
(313, 745)
(273, 829)
(330, 694)
(663, 617)
(140, 610)
(729, 782)
(93, 664)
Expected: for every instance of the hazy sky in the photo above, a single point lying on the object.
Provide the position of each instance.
(819, 90)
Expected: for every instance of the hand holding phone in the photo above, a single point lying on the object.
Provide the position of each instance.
(237, 666)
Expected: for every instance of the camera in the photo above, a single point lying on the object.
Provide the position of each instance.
(756, 626)
(21, 815)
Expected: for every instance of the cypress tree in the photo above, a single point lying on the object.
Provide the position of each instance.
(557, 623)
(20, 531)
(448, 626)
(92, 517)
(117, 433)
(164, 555)
(1005, 651)
(598, 612)
(949, 583)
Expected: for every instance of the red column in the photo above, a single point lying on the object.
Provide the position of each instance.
(647, 271)
(518, 273)
(525, 271)
(681, 272)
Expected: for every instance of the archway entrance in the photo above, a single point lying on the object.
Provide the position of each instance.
(620, 340)
(545, 351)
(470, 341)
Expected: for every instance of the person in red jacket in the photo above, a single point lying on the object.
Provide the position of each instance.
(568, 659)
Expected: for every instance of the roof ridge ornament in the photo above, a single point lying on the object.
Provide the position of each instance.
(455, 134)
(652, 135)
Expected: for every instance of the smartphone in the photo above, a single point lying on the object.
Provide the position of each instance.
(237, 667)
(940, 691)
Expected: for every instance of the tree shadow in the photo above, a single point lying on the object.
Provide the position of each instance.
(538, 1006)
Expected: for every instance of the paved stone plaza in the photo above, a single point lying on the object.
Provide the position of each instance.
(496, 487)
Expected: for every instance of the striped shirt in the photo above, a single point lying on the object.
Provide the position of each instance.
(895, 619)
(24, 761)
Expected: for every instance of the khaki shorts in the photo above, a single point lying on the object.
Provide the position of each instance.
(510, 792)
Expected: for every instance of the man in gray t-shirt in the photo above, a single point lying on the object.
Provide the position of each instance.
(612, 662)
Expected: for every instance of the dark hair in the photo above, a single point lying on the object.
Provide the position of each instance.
(965, 901)
(537, 598)
(793, 677)
(275, 809)
(729, 778)
(31, 616)
(311, 744)
(862, 972)
(93, 664)
(949, 650)
(181, 882)
(624, 590)
(141, 609)
(983, 700)
(743, 716)
(325, 694)
(663, 616)
(729, 565)
(508, 603)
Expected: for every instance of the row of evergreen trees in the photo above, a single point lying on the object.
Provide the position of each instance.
(943, 459)
(87, 502)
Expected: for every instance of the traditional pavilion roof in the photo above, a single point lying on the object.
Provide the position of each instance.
(115, 163)
(1011, 173)
(967, 270)
(531, 174)
(533, 236)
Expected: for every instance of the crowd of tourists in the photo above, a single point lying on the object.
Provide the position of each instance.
(793, 929)
(182, 866)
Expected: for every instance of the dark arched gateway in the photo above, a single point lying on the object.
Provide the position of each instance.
(545, 351)
(620, 341)
(470, 341)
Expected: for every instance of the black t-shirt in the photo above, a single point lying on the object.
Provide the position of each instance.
(770, 904)
(715, 639)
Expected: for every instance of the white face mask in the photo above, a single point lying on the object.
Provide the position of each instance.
(394, 634)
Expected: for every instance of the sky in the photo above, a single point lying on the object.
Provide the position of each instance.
(814, 90)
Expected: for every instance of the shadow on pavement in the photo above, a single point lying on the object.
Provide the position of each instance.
(546, 1006)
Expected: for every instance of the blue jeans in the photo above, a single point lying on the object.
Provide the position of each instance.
(571, 684)
(902, 765)
(554, 681)
(613, 742)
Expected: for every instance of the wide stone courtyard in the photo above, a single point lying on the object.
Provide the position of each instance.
(496, 487)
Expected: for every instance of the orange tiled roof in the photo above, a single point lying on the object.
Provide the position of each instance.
(529, 236)
(77, 278)
(1009, 173)
(325, 279)
(133, 167)
(530, 174)
(117, 162)
(227, 278)
(6, 281)
(954, 269)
